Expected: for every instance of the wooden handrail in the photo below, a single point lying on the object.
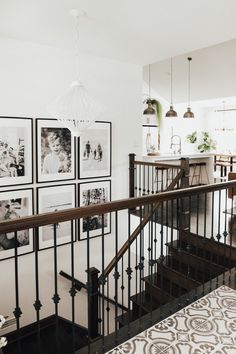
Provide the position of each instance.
(136, 232)
(156, 164)
(33, 221)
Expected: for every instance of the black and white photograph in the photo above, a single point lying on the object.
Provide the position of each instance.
(95, 151)
(13, 205)
(51, 199)
(93, 193)
(15, 151)
(55, 151)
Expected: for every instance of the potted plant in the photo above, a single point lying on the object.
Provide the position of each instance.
(192, 138)
(153, 103)
(207, 143)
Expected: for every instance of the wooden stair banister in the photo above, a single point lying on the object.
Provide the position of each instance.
(136, 232)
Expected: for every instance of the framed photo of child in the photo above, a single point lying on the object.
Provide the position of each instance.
(51, 199)
(55, 151)
(95, 151)
(16, 167)
(15, 204)
(93, 193)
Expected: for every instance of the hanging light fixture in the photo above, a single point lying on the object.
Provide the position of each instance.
(149, 110)
(76, 109)
(189, 113)
(171, 113)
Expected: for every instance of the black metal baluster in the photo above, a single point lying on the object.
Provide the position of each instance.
(37, 303)
(89, 285)
(140, 268)
(153, 178)
(17, 311)
(144, 187)
(103, 285)
(197, 218)
(230, 242)
(135, 181)
(151, 261)
(218, 236)
(148, 178)
(162, 259)
(171, 243)
(140, 180)
(225, 233)
(56, 298)
(72, 290)
(204, 234)
(116, 276)
(108, 307)
(129, 273)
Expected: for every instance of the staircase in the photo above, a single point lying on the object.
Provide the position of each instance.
(190, 262)
(52, 340)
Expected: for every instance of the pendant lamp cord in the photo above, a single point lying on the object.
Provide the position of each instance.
(189, 60)
(149, 79)
(171, 82)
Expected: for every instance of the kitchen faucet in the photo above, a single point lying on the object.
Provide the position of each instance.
(174, 143)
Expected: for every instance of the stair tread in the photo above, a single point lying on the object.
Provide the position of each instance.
(192, 259)
(145, 301)
(210, 245)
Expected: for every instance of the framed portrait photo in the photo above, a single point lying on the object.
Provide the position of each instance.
(55, 151)
(16, 146)
(16, 204)
(55, 198)
(95, 151)
(92, 193)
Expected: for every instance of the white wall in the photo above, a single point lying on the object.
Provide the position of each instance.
(31, 76)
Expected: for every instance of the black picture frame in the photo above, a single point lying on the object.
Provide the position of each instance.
(64, 159)
(47, 231)
(101, 189)
(95, 161)
(16, 151)
(13, 204)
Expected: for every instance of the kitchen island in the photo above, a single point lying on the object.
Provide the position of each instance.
(201, 165)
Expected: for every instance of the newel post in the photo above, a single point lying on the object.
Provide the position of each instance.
(184, 164)
(93, 298)
(131, 174)
(184, 207)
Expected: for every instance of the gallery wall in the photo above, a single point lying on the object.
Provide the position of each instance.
(31, 77)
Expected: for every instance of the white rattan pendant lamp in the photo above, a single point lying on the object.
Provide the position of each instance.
(75, 108)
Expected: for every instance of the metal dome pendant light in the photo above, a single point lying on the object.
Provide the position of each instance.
(75, 109)
(189, 113)
(171, 113)
(149, 110)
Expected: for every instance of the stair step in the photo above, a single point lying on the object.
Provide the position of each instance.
(187, 257)
(125, 318)
(187, 270)
(173, 289)
(157, 292)
(176, 277)
(143, 303)
(209, 245)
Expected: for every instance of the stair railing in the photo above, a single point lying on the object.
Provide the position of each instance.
(146, 177)
(208, 214)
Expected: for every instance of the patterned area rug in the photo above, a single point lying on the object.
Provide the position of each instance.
(207, 326)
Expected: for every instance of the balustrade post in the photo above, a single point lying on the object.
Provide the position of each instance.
(131, 175)
(93, 298)
(184, 207)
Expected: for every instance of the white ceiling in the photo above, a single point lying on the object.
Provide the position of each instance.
(136, 31)
(213, 74)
